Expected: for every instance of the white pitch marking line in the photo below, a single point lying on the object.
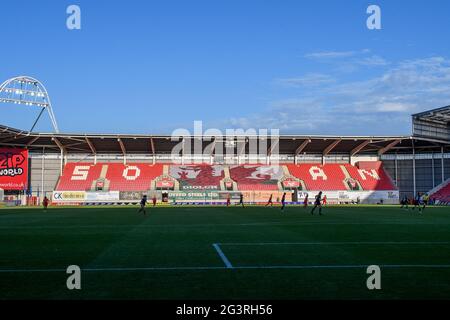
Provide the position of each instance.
(256, 224)
(112, 269)
(393, 266)
(223, 256)
(335, 243)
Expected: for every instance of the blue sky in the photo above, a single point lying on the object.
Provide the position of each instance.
(305, 67)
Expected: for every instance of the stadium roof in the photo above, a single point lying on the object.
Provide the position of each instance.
(161, 144)
(441, 115)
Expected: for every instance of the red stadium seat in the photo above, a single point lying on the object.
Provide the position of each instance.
(332, 177)
(374, 178)
(320, 177)
(78, 177)
(132, 177)
(139, 177)
(443, 194)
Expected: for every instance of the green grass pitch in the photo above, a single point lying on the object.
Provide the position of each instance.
(225, 253)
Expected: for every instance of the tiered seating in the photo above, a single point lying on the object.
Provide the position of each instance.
(256, 177)
(320, 177)
(78, 177)
(198, 176)
(371, 178)
(442, 195)
(138, 177)
(132, 177)
(332, 176)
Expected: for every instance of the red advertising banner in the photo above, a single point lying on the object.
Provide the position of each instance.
(13, 169)
(165, 184)
(290, 183)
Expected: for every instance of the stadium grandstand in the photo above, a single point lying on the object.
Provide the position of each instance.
(119, 168)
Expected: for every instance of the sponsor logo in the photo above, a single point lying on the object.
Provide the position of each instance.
(200, 188)
(69, 196)
(11, 164)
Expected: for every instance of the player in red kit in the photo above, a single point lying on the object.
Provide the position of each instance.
(154, 201)
(324, 200)
(45, 203)
(305, 202)
(228, 200)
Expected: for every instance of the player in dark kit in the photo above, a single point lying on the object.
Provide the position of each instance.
(241, 200)
(283, 202)
(404, 202)
(270, 202)
(318, 203)
(143, 203)
(417, 201)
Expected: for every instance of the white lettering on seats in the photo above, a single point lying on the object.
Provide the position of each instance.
(372, 173)
(137, 173)
(80, 173)
(317, 172)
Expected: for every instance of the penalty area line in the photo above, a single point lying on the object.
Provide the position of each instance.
(222, 256)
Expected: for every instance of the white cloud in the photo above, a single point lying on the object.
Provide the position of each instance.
(309, 80)
(395, 107)
(335, 54)
(377, 105)
(348, 61)
(330, 54)
(372, 61)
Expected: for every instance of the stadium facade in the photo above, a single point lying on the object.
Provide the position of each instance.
(119, 168)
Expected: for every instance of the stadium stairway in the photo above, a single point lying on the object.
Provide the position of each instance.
(441, 193)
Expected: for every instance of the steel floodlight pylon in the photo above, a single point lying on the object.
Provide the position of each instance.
(28, 91)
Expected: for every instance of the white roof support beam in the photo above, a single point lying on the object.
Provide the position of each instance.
(124, 150)
(359, 147)
(331, 147)
(63, 154)
(213, 148)
(302, 147)
(91, 146)
(272, 148)
(243, 145)
(388, 147)
(152, 146)
(60, 145)
(32, 141)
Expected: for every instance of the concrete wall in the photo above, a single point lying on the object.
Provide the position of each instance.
(44, 174)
